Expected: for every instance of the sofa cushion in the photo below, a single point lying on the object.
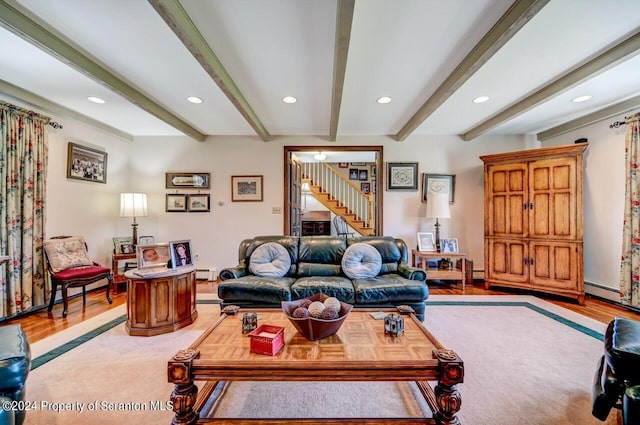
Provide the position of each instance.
(270, 260)
(361, 261)
(392, 251)
(389, 288)
(321, 256)
(267, 290)
(290, 243)
(332, 286)
(67, 253)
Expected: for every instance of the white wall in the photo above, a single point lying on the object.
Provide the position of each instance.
(604, 182)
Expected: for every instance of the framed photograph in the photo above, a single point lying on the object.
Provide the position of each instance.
(426, 241)
(188, 180)
(365, 188)
(85, 163)
(246, 188)
(448, 245)
(176, 202)
(199, 203)
(180, 253)
(343, 164)
(145, 240)
(363, 175)
(118, 241)
(438, 183)
(127, 248)
(354, 174)
(402, 176)
(358, 164)
(156, 255)
(373, 171)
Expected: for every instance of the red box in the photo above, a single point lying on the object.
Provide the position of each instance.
(266, 339)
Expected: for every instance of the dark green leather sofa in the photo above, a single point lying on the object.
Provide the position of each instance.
(316, 267)
(15, 363)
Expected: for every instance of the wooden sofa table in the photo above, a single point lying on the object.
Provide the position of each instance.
(360, 351)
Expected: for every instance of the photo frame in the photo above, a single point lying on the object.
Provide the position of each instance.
(365, 188)
(188, 180)
(343, 164)
(176, 202)
(363, 175)
(118, 241)
(155, 255)
(402, 176)
(246, 188)
(84, 163)
(438, 183)
(372, 171)
(127, 248)
(358, 164)
(181, 253)
(426, 241)
(448, 245)
(199, 203)
(145, 240)
(354, 174)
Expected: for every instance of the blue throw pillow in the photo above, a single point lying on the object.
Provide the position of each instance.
(361, 261)
(270, 260)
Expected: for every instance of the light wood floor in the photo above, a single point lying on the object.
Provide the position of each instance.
(40, 324)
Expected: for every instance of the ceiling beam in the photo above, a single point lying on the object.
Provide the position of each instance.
(174, 15)
(24, 27)
(602, 114)
(601, 63)
(344, 20)
(55, 108)
(520, 12)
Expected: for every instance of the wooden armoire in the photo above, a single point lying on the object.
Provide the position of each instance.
(533, 220)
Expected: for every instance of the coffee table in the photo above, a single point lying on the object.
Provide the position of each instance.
(360, 351)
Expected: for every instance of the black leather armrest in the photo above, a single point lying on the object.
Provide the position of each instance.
(411, 273)
(233, 272)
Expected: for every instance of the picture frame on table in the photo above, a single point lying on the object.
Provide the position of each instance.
(153, 256)
(426, 241)
(84, 163)
(118, 241)
(448, 245)
(176, 202)
(145, 240)
(181, 253)
(187, 180)
(246, 188)
(127, 248)
(199, 203)
(432, 183)
(402, 176)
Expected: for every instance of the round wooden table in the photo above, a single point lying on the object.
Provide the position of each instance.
(161, 302)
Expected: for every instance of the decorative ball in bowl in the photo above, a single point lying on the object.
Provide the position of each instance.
(318, 316)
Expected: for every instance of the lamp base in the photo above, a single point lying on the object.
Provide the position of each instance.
(134, 227)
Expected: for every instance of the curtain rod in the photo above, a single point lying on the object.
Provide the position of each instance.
(617, 124)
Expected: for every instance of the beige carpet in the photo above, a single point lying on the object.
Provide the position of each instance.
(523, 365)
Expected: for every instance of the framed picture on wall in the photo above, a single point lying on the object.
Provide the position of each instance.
(402, 176)
(199, 203)
(188, 180)
(438, 183)
(365, 188)
(176, 202)
(246, 188)
(85, 163)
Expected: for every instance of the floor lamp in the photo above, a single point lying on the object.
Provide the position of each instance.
(438, 207)
(133, 205)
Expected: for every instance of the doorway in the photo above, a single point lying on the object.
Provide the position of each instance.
(293, 180)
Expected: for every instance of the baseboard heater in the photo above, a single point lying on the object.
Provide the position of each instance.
(209, 274)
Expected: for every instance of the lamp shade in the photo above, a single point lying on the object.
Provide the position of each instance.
(306, 188)
(133, 205)
(438, 205)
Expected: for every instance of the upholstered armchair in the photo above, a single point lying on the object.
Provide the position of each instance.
(70, 267)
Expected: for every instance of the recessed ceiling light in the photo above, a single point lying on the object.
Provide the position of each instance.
(194, 99)
(95, 99)
(581, 99)
(289, 99)
(481, 99)
(384, 99)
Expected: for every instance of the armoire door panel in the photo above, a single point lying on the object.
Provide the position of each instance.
(508, 260)
(555, 265)
(507, 197)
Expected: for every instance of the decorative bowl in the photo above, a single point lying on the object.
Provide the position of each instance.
(311, 328)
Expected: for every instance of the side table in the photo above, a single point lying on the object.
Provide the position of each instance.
(161, 303)
(457, 273)
(118, 277)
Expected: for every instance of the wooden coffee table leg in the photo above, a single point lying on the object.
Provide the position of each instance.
(185, 392)
(448, 398)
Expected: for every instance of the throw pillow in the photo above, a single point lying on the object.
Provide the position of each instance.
(361, 261)
(67, 253)
(270, 260)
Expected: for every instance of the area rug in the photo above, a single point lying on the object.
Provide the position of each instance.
(526, 362)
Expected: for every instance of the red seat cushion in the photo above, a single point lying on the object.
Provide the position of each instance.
(81, 273)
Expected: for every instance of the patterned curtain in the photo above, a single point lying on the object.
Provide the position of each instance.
(23, 165)
(630, 266)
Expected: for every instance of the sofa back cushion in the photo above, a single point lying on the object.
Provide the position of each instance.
(320, 255)
(393, 251)
(290, 243)
(361, 261)
(270, 260)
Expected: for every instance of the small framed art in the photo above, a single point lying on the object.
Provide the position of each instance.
(438, 183)
(246, 188)
(156, 255)
(127, 248)
(188, 180)
(199, 203)
(180, 253)
(363, 175)
(176, 202)
(85, 163)
(354, 174)
(343, 164)
(145, 240)
(365, 188)
(448, 245)
(426, 241)
(402, 176)
(118, 241)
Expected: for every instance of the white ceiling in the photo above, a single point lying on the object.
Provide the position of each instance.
(274, 48)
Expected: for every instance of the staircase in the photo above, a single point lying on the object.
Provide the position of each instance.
(340, 196)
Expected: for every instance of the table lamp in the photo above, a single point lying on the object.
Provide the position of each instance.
(438, 207)
(306, 190)
(133, 205)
